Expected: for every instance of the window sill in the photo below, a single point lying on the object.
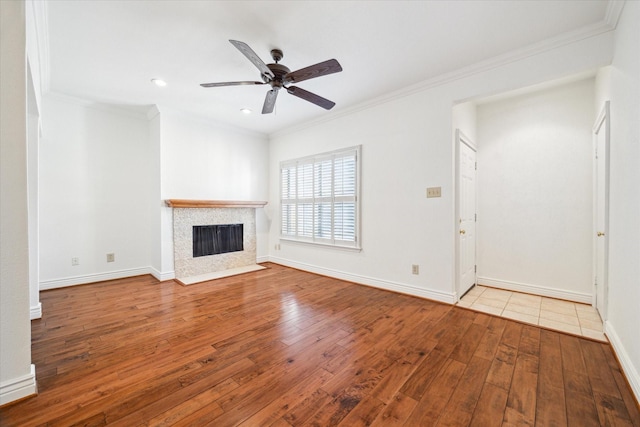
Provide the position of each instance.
(320, 244)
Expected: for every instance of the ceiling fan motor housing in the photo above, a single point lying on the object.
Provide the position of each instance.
(279, 71)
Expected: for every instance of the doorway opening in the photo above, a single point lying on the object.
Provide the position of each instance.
(534, 191)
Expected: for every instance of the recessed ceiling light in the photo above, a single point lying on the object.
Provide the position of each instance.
(245, 110)
(159, 82)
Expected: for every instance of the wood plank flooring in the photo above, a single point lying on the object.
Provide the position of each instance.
(282, 347)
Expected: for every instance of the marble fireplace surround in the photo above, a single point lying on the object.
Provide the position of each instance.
(187, 213)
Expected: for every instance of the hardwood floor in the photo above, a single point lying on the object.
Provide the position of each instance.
(283, 347)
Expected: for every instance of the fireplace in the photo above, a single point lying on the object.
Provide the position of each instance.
(231, 230)
(217, 239)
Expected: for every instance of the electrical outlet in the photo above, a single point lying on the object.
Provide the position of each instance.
(415, 269)
(277, 246)
(434, 192)
(75, 261)
(111, 257)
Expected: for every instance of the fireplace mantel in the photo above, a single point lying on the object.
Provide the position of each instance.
(182, 203)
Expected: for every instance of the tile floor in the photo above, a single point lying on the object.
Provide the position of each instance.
(560, 315)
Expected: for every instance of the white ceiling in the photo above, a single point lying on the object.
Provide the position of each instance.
(108, 51)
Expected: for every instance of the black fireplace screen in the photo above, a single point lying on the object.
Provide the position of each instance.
(217, 239)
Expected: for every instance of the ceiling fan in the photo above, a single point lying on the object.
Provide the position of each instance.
(278, 76)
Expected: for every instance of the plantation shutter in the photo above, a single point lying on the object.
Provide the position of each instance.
(288, 183)
(319, 198)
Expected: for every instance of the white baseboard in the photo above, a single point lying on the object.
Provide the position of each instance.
(536, 290)
(630, 371)
(162, 275)
(402, 288)
(120, 274)
(18, 388)
(261, 259)
(36, 312)
(91, 278)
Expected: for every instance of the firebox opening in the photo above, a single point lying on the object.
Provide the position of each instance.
(217, 239)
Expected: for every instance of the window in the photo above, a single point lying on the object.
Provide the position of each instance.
(319, 198)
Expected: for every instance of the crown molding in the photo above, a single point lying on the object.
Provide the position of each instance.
(614, 10)
(134, 111)
(41, 26)
(153, 112)
(207, 121)
(608, 24)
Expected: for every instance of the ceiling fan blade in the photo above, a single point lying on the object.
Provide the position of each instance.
(322, 69)
(311, 97)
(270, 101)
(230, 84)
(251, 56)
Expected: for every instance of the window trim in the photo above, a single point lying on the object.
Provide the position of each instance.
(318, 241)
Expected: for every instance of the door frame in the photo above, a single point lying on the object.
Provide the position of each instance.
(604, 118)
(461, 138)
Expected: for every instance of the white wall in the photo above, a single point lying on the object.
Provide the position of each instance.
(400, 159)
(17, 375)
(36, 48)
(407, 146)
(624, 209)
(106, 171)
(96, 184)
(464, 117)
(158, 207)
(535, 204)
(205, 161)
(33, 144)
(602, 88)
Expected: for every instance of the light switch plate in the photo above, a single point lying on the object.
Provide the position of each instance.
(434, 192)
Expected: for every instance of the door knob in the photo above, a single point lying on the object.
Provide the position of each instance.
(600, 233)
(462, 232)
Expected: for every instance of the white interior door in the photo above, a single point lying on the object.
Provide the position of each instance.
(467, 213)
(601, 197)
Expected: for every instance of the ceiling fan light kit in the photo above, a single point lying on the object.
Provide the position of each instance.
(279, 76)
